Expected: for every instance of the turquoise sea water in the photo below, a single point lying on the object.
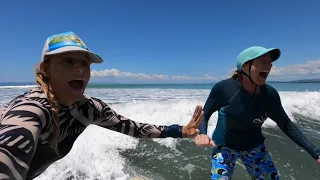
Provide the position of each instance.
(278, 86)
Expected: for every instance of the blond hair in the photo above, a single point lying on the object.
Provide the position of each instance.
(42, 80)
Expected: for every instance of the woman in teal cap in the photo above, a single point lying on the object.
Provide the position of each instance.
(244, 102)
(40, 126)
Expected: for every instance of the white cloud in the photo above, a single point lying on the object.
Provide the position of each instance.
(308, 68)
(205, 77)
(114, 73)
(119, 74)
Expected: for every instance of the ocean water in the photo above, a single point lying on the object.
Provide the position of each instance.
(100, 154)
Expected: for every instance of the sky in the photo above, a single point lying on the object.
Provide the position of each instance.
(163, 41)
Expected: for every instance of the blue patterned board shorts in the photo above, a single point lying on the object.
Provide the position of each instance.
(257, 162)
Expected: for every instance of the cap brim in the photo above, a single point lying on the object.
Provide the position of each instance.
(93, 57)
(274, 52)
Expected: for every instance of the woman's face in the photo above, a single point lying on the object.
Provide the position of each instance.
(260, 69)
(68, 75)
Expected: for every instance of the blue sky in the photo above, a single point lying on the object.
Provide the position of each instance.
(163, 41)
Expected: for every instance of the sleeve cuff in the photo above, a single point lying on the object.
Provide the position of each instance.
(316, 155)
(174, 131)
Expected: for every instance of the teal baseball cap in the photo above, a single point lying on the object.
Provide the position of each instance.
(255, 52)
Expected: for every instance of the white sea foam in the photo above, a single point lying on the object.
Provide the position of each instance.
(17, 87)
(95, 154)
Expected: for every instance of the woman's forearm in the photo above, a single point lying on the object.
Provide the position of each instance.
(293, 132)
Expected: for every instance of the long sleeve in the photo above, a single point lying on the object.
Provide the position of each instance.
(21, 124)
(108, 118)
(278, 114)
(292, 131)
(212, 104)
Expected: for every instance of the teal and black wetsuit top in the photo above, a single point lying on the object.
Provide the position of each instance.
(241, 115)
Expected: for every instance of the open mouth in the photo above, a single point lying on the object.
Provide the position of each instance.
(76, 84)
(264, 74)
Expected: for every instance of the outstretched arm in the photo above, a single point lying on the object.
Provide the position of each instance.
(212, 104)
(109, 119)
(20, 127)
(292, 131)
(278, 114)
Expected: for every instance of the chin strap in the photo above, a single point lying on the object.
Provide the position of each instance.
(249, 76)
